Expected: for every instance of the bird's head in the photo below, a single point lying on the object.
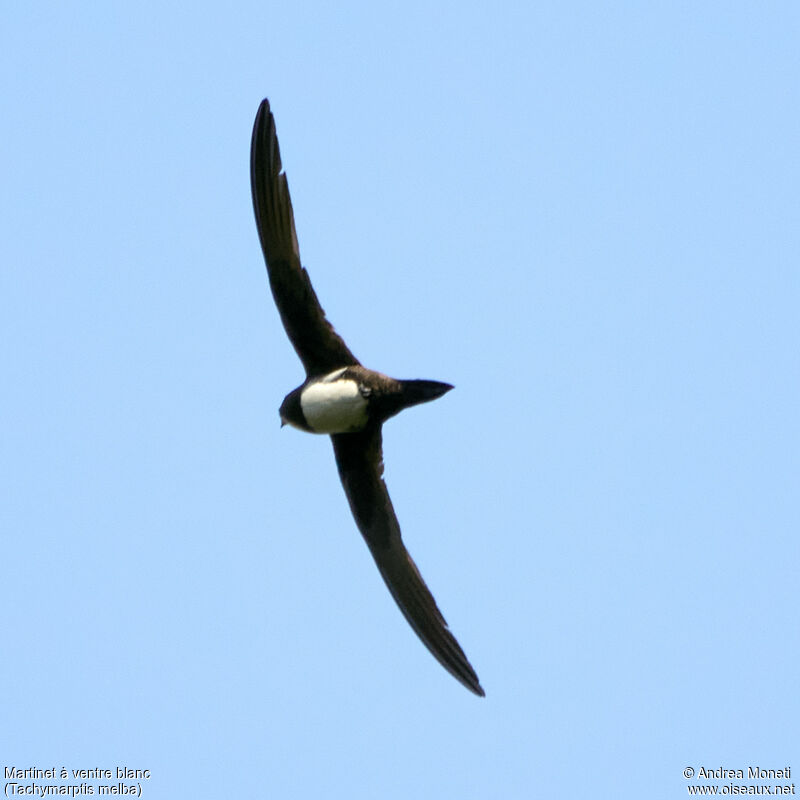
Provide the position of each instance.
(291, 412)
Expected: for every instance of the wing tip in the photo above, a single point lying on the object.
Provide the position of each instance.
(464, 673)
(272, 202)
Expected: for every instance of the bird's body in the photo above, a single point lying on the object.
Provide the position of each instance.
(344, 399)
(350, 398)
(334, 403)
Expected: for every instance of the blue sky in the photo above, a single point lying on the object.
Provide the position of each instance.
(583, 215)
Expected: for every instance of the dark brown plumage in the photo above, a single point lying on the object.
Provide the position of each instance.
(370, 398)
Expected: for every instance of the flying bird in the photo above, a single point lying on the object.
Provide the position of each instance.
(345, 400)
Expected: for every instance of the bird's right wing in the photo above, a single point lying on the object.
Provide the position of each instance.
(360, 461)
(320, 348)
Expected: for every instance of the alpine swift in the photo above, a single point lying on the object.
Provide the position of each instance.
(345, 400)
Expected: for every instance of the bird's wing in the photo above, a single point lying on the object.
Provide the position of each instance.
(360, 461)
(320, 348)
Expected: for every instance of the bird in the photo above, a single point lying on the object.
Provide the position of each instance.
(345, 400)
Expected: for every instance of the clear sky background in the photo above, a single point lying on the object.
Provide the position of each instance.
(583, 215)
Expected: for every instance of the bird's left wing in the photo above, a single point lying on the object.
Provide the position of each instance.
(360, 461)
(320, 348)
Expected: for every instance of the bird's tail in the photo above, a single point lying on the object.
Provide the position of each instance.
(414, 392)
(404, 394)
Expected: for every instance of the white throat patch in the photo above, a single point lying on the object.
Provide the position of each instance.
(334, 404)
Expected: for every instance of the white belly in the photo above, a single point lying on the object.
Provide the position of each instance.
(334, 405)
